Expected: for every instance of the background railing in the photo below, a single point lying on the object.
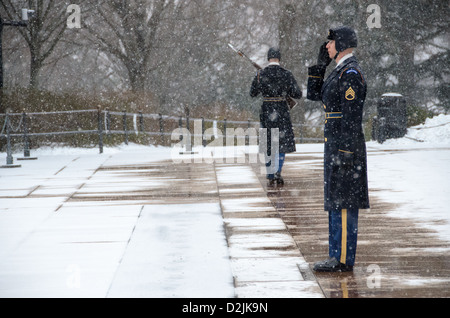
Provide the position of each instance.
(94, 126)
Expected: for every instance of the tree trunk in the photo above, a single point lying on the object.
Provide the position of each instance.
(137, 79)
(287, 28)
(35, 67)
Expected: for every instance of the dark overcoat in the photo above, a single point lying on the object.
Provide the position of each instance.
(274, 83)
(345, 161)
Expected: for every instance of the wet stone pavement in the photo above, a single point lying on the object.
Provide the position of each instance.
(274, 235)
(395, 258)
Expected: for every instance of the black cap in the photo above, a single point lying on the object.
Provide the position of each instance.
(344, 36)
(273, 53)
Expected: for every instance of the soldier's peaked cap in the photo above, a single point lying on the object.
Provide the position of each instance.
(345, 37)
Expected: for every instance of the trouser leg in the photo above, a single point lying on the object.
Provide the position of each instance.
(280, 157)
(270, 173)
(343, 233)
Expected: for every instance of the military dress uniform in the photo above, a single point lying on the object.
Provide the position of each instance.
(345, 165)
(274, 83)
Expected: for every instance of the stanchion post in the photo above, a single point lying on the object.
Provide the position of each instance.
(9, 157)
(225, 128)
(100, 130)
(108, 121)
(161, 129)
(203, 133)
(180, 125)
(141, 122)
(26, 148)
(247, 135)
(189, 139)
(125, 127)
(26, 140)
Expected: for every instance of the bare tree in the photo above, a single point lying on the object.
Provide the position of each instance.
(43, 32)
(128, 31)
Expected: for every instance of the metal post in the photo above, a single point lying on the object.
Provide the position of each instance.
(2, 23)
(301, 132)
(180, 125)
(125, 127)
(225, 128)
(186, 137)
(26, 140)
(100, 130)
(187, 120)
(9, 157)
(161, 129)
(203, 133)
(26, 150)
(247, 135)
(141, 122)
(108, 121)
(189, 140)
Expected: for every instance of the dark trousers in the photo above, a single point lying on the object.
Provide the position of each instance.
(343, 233)
(281, 158)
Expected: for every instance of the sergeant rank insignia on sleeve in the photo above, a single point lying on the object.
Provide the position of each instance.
(350, 94)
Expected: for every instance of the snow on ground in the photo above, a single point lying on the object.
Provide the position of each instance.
(78, 252)
(416, 175)
(435, 132)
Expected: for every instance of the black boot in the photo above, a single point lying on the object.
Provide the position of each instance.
(279, 180)
(332, 265)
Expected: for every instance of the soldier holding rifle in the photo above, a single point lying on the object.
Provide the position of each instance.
(275, 84)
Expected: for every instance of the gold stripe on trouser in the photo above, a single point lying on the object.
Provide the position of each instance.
(344, 236)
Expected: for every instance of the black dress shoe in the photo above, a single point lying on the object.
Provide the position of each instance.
(279, 179)
(331, 265)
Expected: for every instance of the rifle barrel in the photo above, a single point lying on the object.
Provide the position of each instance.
(291, 102)
(242, 54)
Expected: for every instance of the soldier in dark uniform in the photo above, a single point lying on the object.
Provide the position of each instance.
(275, 83)
(345, 164)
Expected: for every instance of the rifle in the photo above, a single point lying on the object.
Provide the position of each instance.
(290, 101)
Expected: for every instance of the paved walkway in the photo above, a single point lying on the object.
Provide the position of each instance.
(126, 225)
(395, 257)
(272, 235)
